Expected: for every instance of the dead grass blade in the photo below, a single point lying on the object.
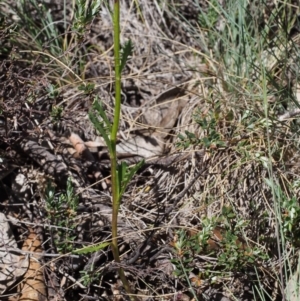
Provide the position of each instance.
(33, 287)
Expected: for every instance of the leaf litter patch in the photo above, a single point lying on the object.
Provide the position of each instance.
(55, 168)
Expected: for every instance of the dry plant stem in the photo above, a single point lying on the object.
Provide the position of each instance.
(113, 156)
(33, 286)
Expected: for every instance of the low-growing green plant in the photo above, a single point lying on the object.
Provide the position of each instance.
(56, 113)
(289, 217)
(235, 256)
(53, 92)
(230, 253)
(208, 124)
(208, 20)
(87, 277)
(87, 88)
(84, 14)
(61, 210)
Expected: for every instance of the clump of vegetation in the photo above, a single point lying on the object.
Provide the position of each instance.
(61, 211)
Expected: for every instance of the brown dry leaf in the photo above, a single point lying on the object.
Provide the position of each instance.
(141, 145)
(81, 150)
(11, 268)
(195, 279)
(33, 286)
(94, 144)
(164, 113)
(161, 118)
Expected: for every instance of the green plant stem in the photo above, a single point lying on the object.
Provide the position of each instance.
(113, 155)
(113, 138)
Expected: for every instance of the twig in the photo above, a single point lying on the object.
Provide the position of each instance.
(289, 114)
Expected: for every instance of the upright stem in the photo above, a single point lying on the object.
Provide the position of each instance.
(117, 71)
(113, 156)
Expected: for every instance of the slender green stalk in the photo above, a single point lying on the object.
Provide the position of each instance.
(113, 138)
(113, 157)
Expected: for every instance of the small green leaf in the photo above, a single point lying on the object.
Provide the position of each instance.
(101, 129)
(190, 135)
(206, 142)
(104, 126)
(92, 249)
(181, 137)
(96, 5)
(126, 51)
(99, 108)
(126, 173)
(87, 88)
(231, 215)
